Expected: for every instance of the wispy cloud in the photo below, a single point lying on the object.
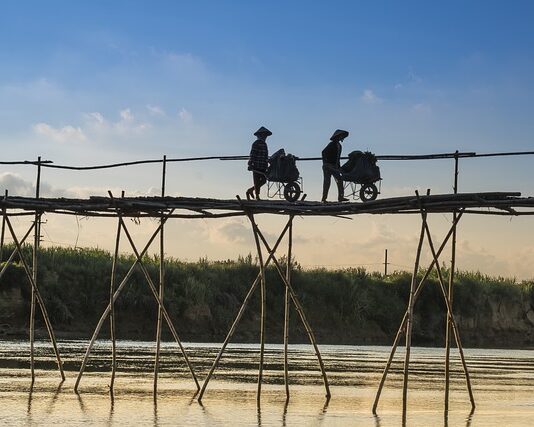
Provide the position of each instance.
(185, 116)
(63, 134)
(422, 108)
(369, 97)
(155, 110)
(127, 124)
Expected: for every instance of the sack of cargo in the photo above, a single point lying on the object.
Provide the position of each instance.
(282, 167)
(361, 168)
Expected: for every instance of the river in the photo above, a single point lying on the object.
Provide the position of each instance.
(503, 386)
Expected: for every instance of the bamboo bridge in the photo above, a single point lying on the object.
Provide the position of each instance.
(167, 208)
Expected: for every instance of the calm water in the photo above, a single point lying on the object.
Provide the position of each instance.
(503, 383)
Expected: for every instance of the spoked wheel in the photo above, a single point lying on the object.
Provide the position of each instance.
(368, 192)
(292, 191)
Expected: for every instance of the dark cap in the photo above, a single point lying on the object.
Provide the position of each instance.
(339, 134)
(263, 131)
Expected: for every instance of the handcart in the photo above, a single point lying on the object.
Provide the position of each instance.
(283, 177)
(360, 175)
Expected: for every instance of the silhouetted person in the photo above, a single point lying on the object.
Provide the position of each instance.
(331, 156)
(257, 162)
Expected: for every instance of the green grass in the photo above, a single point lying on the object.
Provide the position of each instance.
(343, 306)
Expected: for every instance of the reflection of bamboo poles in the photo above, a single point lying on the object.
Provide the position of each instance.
(38, 297)
(237, 319)
(161, 280)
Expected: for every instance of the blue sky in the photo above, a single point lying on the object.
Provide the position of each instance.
(93, 82)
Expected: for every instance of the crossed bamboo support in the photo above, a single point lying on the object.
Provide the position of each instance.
(406, 325)
(290, 295)
(36, 295)
(114, 295)
(31, 274)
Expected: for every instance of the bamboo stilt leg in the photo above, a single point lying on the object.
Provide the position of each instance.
(38, 297)
(403, 322)
(161, 283)
(262, 306)
(36, 241)
(159, 301)
(450, 293)
(451, 316)
(112, 309)
(390, 360)
(300, 311)
(237, 319)
(286, 310)
(409, 319)
(2, 233)
(108, 309)
(448, 327)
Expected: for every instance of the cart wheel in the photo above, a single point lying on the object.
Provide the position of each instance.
(292, 191)
(368, 192)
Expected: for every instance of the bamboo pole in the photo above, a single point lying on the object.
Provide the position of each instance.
(451, 316)
(237, 319)
(108, 308)
(403, 322)
(9, 261)
(159, 301)
(38, 297)
(2, 235)
(286, 310)
(450, 291)
(161, 280)
(262, 303)
(36, 239)
(112, 308)
(409, 318)
(300, 311)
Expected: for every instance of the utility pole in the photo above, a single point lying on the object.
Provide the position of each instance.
(385, 263)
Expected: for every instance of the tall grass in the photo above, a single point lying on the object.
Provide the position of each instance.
(343, 306)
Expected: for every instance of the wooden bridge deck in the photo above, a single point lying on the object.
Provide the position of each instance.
(490, 203)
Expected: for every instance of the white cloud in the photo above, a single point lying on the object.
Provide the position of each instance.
(126, 115)
(155, 110)
(96, 117)
(64, 134)
(185, 115)
(369, 97)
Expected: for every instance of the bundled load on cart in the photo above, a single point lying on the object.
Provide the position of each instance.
(360, 173)
(283, 176)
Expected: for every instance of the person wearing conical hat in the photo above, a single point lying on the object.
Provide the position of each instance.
(257, 162)
(331, 156)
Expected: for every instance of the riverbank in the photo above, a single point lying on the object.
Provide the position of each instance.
(350, 306)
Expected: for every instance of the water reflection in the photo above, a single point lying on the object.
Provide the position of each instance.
(503, 381)
(377, 420)
(155, 412)
(258, 414)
